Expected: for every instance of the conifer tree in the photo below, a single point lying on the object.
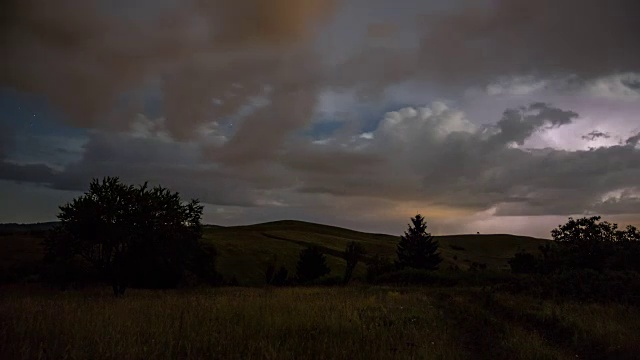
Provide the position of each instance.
(417, 248)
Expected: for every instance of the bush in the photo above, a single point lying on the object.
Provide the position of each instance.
(312, 265)
(442, 278)
(377, 266)
(524, 263)
(580, 285)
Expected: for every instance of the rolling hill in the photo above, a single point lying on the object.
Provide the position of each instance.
(244, 251)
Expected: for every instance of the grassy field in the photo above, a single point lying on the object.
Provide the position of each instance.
(354, 322)
(294, 323)
(244, 251)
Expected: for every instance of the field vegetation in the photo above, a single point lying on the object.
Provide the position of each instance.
(291, 290)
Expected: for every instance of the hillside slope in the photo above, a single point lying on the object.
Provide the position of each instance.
(245, 251)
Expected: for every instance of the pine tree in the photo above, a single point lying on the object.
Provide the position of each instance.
(417, 248)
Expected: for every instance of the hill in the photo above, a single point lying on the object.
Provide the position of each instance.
(244, 251)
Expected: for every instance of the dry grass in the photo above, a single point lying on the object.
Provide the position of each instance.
(294, 323)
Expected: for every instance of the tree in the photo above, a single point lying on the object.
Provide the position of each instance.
(132, 235)
(352, 255)
(417, 248)
(585, 230)
(312, 264)
(589, 243)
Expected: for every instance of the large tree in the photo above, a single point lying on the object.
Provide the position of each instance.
(417, 248)
(132, 235)
(591, 243)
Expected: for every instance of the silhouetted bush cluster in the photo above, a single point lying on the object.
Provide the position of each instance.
(311, 265)
(580, 285)
(584, 244)
(130, 236)
(588, 260)
(442, 278)
(276, 276)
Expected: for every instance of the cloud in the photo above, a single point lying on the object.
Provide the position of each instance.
(31, 173)
(519, 38)
(596, 134)
(436, 157)
(98, 63)
(634, 140)
(517, 125)
(429, 159)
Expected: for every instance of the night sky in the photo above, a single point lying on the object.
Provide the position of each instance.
(502, 116)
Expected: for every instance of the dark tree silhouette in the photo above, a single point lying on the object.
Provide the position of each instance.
(132, 235)
(585, 243)
(593, 244)
(417, 248)
(312, 265)
(352, 255)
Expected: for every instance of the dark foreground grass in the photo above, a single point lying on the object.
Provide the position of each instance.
(294, 323)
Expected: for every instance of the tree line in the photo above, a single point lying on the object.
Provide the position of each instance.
(142, 236)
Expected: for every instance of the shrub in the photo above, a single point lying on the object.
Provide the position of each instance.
(312, 265)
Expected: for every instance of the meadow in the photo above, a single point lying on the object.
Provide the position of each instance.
(466, 316)
(356, 322)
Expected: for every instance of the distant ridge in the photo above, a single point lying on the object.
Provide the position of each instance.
(20, 228)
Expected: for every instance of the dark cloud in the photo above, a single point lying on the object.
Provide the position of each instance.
(98, 65)
(434, 156)
(517, 125)
(587, 38)
(596, 134)
(30, 173)
(634, 140)
(429, 158)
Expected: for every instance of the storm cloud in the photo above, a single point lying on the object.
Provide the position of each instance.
(316, 109)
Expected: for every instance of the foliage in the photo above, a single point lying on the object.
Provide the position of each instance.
(585, 243)
(275, 276)
(140, 236)
(417, 248)
(524, 263)
(352, 255)
(585, 285)
(312, 264)
(377, 266)
(589, 260)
